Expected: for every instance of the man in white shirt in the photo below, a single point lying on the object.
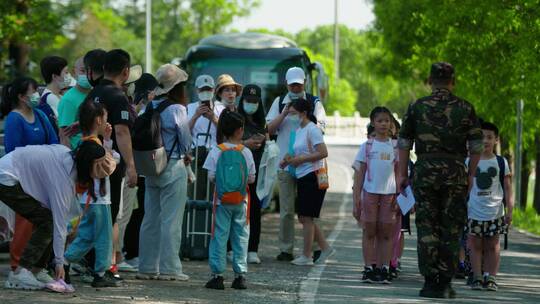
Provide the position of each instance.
(280, 125)
(203, 119)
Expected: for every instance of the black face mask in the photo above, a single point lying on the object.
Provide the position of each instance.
(93, 82)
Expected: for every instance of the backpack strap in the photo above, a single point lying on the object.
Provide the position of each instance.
(280, 103)
(369, 146)
(43, 124)
(43, 98)
(500, 162)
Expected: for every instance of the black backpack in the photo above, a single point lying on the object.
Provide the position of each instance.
(148, 150)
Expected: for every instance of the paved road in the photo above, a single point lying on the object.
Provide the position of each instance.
(337, 282)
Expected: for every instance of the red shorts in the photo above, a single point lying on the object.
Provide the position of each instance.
(378, 208)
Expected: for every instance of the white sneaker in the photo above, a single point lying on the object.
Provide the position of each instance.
(176, 277)
(146, 276)
(302, 261)
(230, 256)
(44, 277)
(253, 258)
(126, 267)
(325, 254)
(23, 280)
(134, 262)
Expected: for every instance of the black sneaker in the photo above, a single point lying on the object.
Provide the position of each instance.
(477, 284)
(105, 281)
(113, 275)
(445, 286)
(215, 282)
(384, 276)
(393, 273)
(430, 289)
(316, 255)
(368, 275)
(285, 256)
(377, 276)
(239, 283)
(460, 273)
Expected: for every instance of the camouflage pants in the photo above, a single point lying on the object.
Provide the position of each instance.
(440, 216)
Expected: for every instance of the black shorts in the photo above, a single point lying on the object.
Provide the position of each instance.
(310, 198)
(486, 228)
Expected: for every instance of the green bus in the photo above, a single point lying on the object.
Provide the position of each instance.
(253, 58)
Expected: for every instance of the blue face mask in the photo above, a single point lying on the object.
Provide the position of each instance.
(33, 101)
(294, 119)
(296, 95)
(250, 108)
(82, 81)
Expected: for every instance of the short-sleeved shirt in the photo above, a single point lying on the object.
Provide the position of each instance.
(19, 132)
(307, 139)
(52, 100)
(486, 197)
(201, 125)
(441, 127)
(68, 111)
(284, 130)
(381, 178)
(174, 128)
(116, 103)
(210, 163)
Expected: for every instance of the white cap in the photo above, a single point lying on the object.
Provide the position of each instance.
(204, 81)
(295, 75)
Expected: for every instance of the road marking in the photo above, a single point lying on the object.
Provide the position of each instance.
(309, 286)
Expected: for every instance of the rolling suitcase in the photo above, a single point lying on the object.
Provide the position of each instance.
(197, 225)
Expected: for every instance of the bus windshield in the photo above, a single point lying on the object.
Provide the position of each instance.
(266, 73)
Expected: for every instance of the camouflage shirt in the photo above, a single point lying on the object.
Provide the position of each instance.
(440, 126)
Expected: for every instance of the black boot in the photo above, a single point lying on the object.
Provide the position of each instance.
(445, 286)
(431, 288)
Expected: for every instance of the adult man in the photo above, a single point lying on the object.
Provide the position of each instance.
(203, 118)
(441, 126)
(109, 92)
(279, 123)
(69, 103)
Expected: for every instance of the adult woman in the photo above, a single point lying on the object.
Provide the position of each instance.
(227, 90)
(166, 194)
(24, 125)
(252, 109)
(308, 151)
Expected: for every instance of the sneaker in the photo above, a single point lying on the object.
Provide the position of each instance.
(302, 260)
(384, 275)
(216, 282)
(133, 262)
(146, 276)
(316, 255)
(229, 256)
(173, 277)
(23, 280)
(106, 281)
(368, 275)
(376, 275)
(325, 254)
(114, 274)
(239, 283)
(126, 267)
(285, 256)
(460, 272)
(477, 284)
(44, 277)
(60, 286)
(393, 272)
(253, 258)
(430, 289)
(491, 284)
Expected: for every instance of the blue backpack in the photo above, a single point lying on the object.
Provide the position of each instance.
(231, 175)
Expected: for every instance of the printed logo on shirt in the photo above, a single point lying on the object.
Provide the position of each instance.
(484, 180)
(124, 115)
(385, 156)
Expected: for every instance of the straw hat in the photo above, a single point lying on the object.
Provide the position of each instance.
(168, 76)
(227, 80)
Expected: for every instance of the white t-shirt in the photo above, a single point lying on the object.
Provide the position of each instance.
(210, 163)
(201, 125)
(301, 147)
(381, 178)
(52, 100)
(485, 200)
(284, 130)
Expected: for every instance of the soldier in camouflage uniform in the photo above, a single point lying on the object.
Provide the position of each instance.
(441, 126)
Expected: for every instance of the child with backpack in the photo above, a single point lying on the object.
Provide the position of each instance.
(375, 193)
(487, 218)
(231, 167)
(95, 227)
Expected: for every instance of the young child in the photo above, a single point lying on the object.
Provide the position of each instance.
(95, 227)
(231, 200)
(375, 193)
(487, 218)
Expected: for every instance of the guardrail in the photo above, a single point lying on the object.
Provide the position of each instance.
(353, 127)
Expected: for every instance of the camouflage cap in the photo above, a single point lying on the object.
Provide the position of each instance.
(442, 70)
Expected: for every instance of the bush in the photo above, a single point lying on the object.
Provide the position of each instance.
(527, 220)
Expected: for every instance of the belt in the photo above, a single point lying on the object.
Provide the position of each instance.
(430, 156)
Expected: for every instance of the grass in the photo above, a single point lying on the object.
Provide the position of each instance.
(527, 219)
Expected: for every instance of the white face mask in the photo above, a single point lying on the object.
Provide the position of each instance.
(65, 82)
(205, 95)
(250, 108)
(295, 119)
(229, 102)
(296, 95)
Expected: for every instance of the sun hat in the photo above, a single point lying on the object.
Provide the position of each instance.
(168, 76)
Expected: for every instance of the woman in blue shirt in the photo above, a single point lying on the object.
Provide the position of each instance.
(24, 125)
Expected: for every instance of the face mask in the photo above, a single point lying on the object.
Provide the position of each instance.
(65, 82)
(34, 100)
(229, 102)
(296, 95)
(82, 81)
(250, 108)
(295, 119)
(205, 95)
